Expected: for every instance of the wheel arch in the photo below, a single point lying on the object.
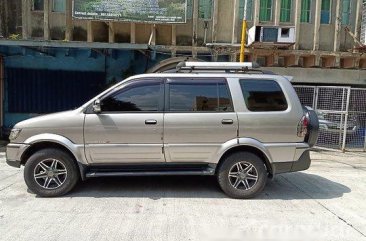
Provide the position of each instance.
(40, 146)
(247, 148)
(44, 141)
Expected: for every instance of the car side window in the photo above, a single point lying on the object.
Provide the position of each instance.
(199, 96)
(263, 95)
(139, 96)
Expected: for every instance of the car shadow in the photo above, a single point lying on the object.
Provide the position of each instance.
(291, 186)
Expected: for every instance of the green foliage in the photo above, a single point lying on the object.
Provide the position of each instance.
(14, 36)
(175, 9)
(86, 5)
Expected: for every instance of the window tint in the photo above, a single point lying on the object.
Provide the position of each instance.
(263, 95)
(199, 96)
(142, 96)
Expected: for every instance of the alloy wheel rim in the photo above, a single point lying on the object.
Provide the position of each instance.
(50, 174)
(243, 176)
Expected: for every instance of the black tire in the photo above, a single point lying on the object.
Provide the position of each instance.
(254, 187)
(65, 161)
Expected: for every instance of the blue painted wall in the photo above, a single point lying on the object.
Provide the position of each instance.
(116, 64)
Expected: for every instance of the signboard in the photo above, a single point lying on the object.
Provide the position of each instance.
(155, 11)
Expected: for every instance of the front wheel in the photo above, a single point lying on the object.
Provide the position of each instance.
(242, 175)
(50, 173)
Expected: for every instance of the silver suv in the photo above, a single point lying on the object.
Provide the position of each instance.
(224, 119)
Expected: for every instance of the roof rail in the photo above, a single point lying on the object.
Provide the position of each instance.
(219, 66)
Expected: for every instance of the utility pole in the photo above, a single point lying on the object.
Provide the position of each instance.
(243, 32)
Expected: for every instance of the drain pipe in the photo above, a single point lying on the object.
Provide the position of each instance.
(206, 28)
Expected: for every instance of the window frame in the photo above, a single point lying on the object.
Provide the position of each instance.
(288, 103)
(210, 10)
(249, 10)
(285, 9)
(195, 80)
(271, 16)
(189, 10)
(53, 6)
(125, 85)
(308, 10)
(38, 10)
(349, 13)
(330, 12)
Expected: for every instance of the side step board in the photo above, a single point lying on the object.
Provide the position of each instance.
(203, 172)
(151, 173)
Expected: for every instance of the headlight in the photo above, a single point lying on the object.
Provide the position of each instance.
(14, 133)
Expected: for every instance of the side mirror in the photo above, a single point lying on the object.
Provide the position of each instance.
(96, 106)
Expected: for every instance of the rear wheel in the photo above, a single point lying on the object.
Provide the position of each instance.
(242, 175)
(50, 172)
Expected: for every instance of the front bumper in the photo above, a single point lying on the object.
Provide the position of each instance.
(14, 153)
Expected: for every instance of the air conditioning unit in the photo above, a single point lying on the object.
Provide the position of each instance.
(279, 36)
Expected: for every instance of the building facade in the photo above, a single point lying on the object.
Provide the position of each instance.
(321, 26)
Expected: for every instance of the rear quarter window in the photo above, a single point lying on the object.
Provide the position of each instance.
(263, 95)
(199, 96)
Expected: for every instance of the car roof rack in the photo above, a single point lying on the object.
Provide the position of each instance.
(229, 67)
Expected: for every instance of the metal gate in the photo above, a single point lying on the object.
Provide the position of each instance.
(342, 115)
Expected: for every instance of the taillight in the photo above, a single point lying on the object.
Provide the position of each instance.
(302, 127)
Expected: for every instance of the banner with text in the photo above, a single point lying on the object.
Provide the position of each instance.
(155, 11)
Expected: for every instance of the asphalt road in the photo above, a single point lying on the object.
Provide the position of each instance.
(326, 202)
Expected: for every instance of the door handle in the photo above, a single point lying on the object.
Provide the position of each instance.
(151, 122)
(227, 121)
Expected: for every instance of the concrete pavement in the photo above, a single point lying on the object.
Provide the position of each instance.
(326, 202)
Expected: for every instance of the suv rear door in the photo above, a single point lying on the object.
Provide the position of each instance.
(269, 111)
(271, 114)
(199, 118)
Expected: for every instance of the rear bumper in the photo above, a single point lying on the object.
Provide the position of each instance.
(14, 153)
(303, 163)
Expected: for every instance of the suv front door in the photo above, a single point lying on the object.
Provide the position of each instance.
(199, 118)
(129, 128)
